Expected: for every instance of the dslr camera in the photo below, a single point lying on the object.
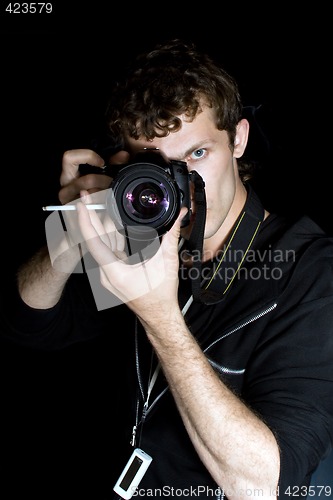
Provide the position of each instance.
(147, 194)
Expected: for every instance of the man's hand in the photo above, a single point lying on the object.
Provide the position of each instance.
(148, 286)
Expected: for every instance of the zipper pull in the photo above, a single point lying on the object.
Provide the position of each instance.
(132, 442)
(144, 412)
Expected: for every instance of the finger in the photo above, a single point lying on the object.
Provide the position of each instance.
(73, 158)
(94, 236)
(174, 233)
(71, 190)
(86, 198)
(90, 182)
(116, 238)
(170, 243)
(119, 158)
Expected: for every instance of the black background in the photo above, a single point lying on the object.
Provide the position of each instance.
(57, 414)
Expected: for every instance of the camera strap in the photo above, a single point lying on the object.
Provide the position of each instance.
(195, 242)
(226, 266)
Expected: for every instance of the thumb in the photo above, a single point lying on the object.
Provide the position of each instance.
(173, 234)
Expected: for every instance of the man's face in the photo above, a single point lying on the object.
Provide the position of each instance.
(205, 149)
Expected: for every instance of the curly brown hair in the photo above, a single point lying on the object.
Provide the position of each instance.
(173, 79)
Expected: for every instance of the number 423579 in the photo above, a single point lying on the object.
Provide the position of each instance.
(29, 8)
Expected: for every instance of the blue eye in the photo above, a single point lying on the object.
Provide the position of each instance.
(198, 153)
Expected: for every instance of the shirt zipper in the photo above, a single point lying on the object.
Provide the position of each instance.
(257, 316)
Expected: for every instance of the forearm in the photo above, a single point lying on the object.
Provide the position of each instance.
(40, 285)
(237, 448)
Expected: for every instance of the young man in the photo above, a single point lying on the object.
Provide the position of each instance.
(229, 384)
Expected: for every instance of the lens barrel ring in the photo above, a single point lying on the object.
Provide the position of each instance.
(145, 194)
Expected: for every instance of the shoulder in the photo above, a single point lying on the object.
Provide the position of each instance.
(304, 253)
(298, 234)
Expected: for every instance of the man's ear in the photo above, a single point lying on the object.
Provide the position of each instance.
(242, 134)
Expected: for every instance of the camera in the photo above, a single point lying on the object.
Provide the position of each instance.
(147, 193)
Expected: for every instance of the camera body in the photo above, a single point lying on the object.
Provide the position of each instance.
(148, 193)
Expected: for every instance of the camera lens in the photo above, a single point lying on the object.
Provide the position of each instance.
(146, 200)
(145, 195)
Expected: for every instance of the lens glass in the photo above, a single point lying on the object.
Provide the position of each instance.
(146, 200)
